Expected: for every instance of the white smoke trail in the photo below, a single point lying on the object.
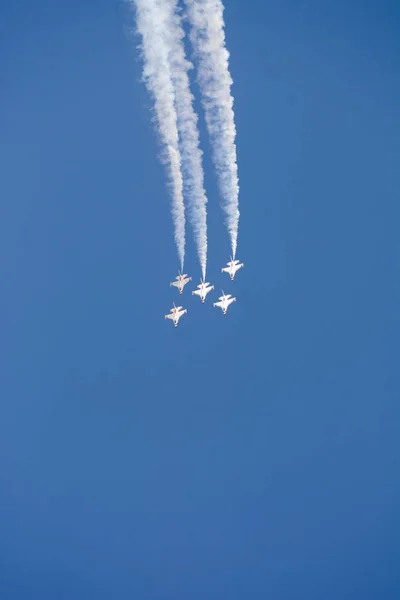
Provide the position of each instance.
(153, 19)
(208, 40)
(189, 136)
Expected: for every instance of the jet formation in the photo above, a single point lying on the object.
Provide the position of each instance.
(202, 290)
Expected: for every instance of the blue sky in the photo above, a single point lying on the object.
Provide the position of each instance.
(249, 456)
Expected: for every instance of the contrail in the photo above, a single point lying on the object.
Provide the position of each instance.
(153, 20)
(188, 134)
(208, 40)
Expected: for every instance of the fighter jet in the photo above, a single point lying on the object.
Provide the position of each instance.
(180, 281)
(232, 267)
(176, 314)
(203, 290)
(225, 301)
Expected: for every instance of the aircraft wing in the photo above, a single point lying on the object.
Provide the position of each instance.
(171, 316)
(219, 304)
(180, 313)
(228, 302)
(197, 292)
(175, 283)
(226, 270)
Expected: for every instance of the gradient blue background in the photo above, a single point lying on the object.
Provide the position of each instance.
(252, 456)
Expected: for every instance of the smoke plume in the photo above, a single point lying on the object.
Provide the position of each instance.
(188, 133)
(208, 41)
(153, 22)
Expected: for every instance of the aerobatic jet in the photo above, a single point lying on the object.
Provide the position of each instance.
(232, 267)
(176, 314)
(203, 290)
(224, 301)
(181, 281)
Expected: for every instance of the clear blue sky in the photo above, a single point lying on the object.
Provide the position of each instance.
(252, 456)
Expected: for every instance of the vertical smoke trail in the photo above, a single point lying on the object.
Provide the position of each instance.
(189, 136)
(208, 40)
(153, 17)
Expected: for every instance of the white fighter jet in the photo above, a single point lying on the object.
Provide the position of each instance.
(232, 267)
(203, 290)
(176, 314)
(181, 281)
(225, 301)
